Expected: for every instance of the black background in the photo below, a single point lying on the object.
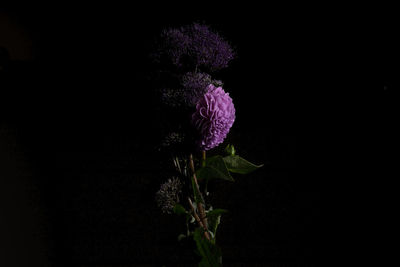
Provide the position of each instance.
(80, 135)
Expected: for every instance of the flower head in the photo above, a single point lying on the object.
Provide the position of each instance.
(168, 195)
(213, 118)
(208, 47)
(192, 86)
(195, 86)
(196, 45)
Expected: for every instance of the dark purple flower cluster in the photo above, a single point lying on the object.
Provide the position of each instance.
(193, 85)
(196, 44)
(174, 45)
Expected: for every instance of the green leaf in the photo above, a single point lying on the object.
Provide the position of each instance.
(216, 212)
(230, 150)
(237, 164)
(215, 168)
(214, 219)
(210, 254)
(179, 209)
(214, 226)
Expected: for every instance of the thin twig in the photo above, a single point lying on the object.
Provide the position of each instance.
(199, 205)
(206, 234)
(191, 163)
(178, 166)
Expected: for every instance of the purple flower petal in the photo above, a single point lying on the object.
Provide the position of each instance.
(214, 116)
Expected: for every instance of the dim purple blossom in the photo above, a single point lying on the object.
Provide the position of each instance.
(213, 118)
(193, 85)
(196, 45)
(168, 195)
(175, 45)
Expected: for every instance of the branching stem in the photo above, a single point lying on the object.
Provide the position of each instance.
(199, 221)
(200, 206)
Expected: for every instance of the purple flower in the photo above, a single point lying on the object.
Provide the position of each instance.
(195, 86)
(196, 45)
(175, 45)
(192, 86)
(208, 48)
(213, 117)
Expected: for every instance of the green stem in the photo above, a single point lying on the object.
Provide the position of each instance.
(200, 205)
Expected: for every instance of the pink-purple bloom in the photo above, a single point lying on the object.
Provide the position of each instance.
(213, 118)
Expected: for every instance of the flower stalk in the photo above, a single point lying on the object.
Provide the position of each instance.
(200, 205)
(199, 221)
